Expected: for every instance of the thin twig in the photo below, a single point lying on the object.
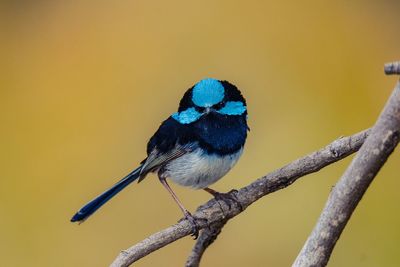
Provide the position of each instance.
(392, 68)
(213, 212)
(347, 193)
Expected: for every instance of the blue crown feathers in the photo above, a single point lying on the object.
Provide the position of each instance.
(208, 92)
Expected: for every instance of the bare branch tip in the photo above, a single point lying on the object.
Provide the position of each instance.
(392, 68)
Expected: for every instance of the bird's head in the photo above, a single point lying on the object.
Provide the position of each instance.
(210, 96)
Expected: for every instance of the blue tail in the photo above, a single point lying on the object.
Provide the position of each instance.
(99, 201)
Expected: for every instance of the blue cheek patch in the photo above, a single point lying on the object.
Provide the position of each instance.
(233, 108)
(187, 116)
(208, 92)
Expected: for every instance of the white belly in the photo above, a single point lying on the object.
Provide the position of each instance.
(199, 170)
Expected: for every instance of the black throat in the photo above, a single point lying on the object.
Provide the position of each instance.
(221, 134)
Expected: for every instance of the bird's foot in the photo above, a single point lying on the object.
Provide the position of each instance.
(193, 223)
(228, 198)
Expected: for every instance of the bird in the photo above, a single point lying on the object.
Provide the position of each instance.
(194, 147)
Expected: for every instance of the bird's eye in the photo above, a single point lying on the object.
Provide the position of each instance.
(219, 105)
(200, 109)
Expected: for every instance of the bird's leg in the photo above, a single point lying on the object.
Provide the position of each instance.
(212, 191)
(228, 198)
(186, 213)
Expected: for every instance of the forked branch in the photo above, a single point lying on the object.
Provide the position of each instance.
(213, 212)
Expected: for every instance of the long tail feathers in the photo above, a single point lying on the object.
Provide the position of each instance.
(99, 201)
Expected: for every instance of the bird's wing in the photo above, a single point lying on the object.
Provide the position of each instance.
(172, 140)
(157, 159)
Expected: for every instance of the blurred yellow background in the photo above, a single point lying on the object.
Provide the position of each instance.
(84, 84)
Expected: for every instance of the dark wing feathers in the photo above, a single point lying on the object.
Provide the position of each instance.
(170, 141)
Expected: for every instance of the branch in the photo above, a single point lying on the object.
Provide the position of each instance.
(213, 212)
(392, 68)
(207, 237)
(347, 193)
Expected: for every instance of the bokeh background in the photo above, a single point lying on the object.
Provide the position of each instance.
(84, 84)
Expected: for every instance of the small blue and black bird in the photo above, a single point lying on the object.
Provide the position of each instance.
(194, 147)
